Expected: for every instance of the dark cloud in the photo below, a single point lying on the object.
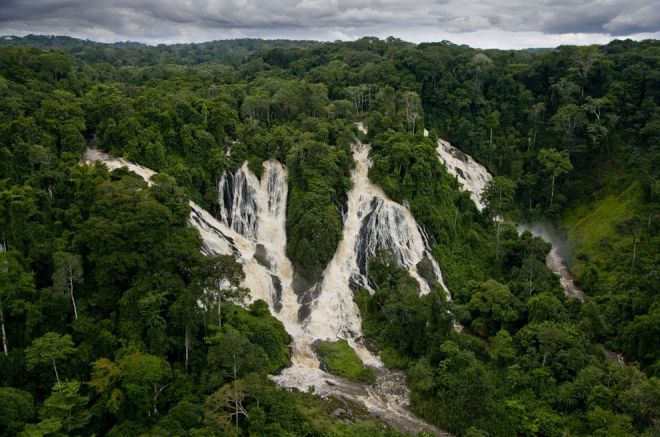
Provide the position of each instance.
(506, 21)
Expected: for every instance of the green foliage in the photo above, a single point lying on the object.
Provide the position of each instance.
(234, 356)
(16, 409)
(265, 410)
(263, 330)
(396, 316)
(155, 361)
(498, 195)
(318, 179)
(222, 278)
(492, 308)
(339, 358)
(16, 286)
(68, 272)
(132, 385)
(554, 163)
(48, 349)
(66, 406)
(144, 376)
(614, 259)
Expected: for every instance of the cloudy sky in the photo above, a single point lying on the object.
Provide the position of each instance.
(485, 23)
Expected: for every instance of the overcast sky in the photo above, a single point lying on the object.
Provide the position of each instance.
(487, 23)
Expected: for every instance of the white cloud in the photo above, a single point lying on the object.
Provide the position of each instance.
(483, 23)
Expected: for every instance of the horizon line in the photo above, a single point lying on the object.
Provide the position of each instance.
(319, 41)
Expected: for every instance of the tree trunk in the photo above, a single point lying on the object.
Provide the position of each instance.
(235, 393)
(497, 238)
(552, 191)
(57, 375)
(5, 347)
(157, 392)
(155, 400)
(499, 218)
(219, 309)
(73, 299)
(187, 344)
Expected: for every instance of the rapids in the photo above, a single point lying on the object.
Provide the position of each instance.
(252, 227)
(372, 223)
(474, 177)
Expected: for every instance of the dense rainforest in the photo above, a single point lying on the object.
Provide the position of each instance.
(108, 326)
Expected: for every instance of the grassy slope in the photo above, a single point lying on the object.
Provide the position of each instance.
(592, 230)
(342, 360)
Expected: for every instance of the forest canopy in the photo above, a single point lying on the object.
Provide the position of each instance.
(101, 275)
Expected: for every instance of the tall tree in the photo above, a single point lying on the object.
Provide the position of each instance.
(47, 349)
(15, 283)
(222, 276)
(16, 408)
(226, 404)
(498, 198)
(567, 121)
(630, 226)
(584, 62)
(144, 377)
(185, 314)
(137, 379)
(66, 405)
(68, 272)
(492, 122)
(412, 106)
(555, 163)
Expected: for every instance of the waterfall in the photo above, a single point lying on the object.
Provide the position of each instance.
(252, 227)
(267, 270)
(373, 223)
(256, 210)
(238, 202)
(471, 175)
(474, 177)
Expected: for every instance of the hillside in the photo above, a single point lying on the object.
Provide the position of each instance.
(256, 237)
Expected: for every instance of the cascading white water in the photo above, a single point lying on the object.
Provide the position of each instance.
(266, 282)
(473, 176)
(252, 228)
(257, 211)
(373, 223)
(242, 212)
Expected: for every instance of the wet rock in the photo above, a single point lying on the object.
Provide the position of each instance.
(300, 284)
(306, 301)
(339, 412)
(425, 270)
(261, 256)
(277, 293)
